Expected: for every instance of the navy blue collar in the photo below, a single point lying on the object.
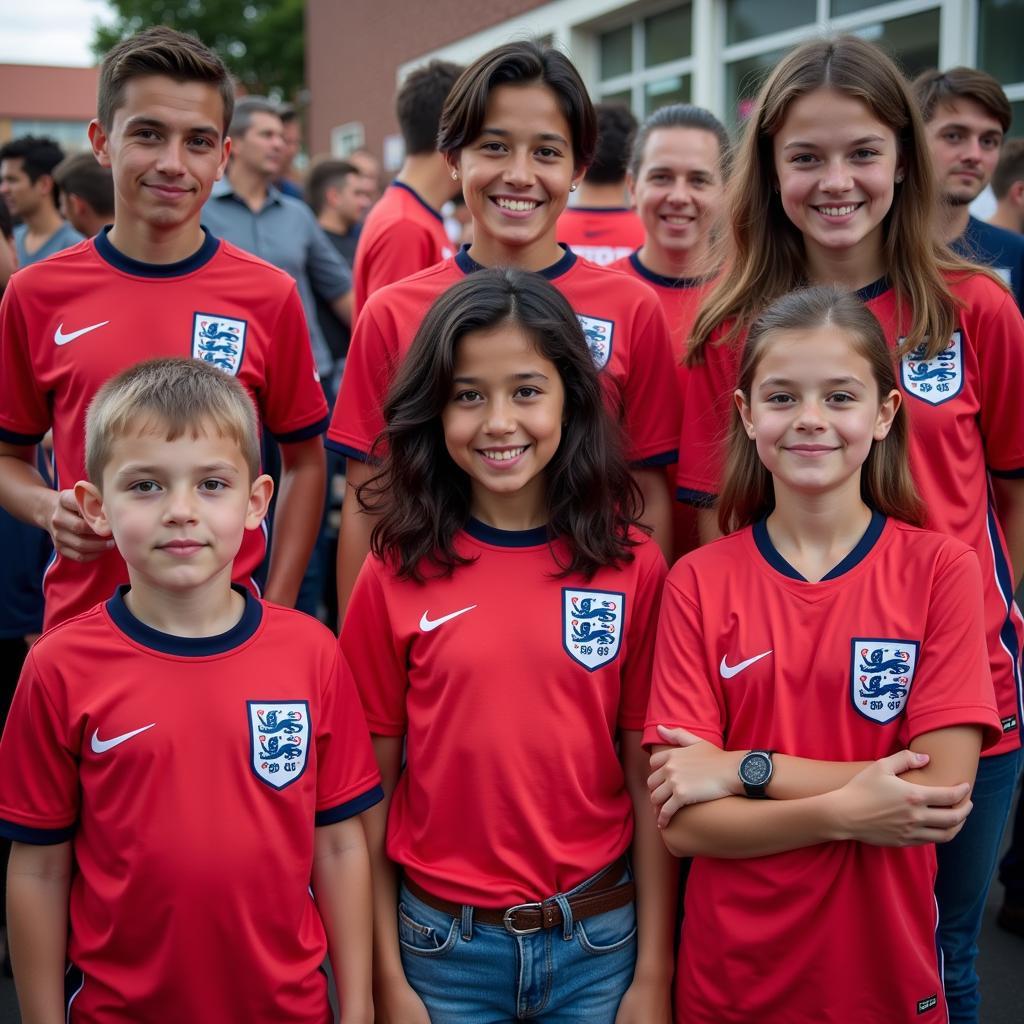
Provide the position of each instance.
(507, 538)
(873, 290)
(137, 268)
(468, 265)
(855, 557)
(426, 206)
(660, 279)
(186, 646)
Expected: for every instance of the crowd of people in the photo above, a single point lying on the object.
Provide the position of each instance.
(669, 667)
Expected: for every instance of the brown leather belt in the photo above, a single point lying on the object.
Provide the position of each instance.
(600, 896)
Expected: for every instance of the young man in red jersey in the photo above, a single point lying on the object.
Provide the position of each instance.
(182, 800)
(154, 284)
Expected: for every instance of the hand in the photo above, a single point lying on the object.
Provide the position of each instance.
(395, 1002)
(645, 1002)
(881, 809)
(696, 772)
(72, 536)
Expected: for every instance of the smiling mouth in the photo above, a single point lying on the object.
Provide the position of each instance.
(811, 449)
(516, 205)
(182, 547)
(838, 211)
(503, 454)
(677, 220)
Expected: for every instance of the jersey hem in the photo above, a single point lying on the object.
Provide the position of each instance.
(699, 499)
(303, 433)
(1007, 474)
(13, 437)
(349, 451)
(661, 459)
(35, 836)
(350, 808)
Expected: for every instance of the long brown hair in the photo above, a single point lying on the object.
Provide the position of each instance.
(748, 491)
(767, 258)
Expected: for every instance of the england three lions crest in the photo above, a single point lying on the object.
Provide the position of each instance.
(599, 338)
(938, 379)
(278, 740)
(218, 340)
(592, 623)
(881, 673)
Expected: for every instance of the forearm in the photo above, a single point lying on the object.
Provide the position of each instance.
(24, 493)
(354, 533)
(387, 957)
(657, 505)
(707, 525)
(300, 506)
(341, 883)
(37, 926)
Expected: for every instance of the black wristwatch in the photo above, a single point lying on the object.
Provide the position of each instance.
(756, 772)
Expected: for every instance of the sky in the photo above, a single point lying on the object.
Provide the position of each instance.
(49, 31)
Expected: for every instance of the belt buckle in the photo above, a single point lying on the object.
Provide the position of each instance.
(512, 929)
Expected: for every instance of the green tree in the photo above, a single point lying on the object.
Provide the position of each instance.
(261, 41)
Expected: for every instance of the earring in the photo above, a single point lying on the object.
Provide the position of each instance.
(899, 177)
(455, 175)
(572, 187)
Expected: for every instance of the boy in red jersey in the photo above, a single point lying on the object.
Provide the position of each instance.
(187, 888)
(155, 284)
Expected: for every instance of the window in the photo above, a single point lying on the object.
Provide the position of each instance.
(347, 138)
(1000, 52)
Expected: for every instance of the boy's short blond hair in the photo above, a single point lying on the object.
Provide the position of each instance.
(177, 394)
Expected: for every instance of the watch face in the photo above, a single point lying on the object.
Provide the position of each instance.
(757, 769)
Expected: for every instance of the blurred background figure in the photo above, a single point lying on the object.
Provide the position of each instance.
(370, 168)
(1008, 187)
(291, 131)
(86, 193)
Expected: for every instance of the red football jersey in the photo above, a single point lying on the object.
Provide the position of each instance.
(601, 234)
(509, 684)
(853, 668)
(70, 324)
(623, 324)
(967, 422)
(189, 774)
(402, 234)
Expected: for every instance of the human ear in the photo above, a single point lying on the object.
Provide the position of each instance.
(259, 500)
(631, 188)
(100, 141)
(90, 503)
(886, 414)
(743, 405)
(225, 153)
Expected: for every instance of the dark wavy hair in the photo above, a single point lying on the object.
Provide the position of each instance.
(423, 498)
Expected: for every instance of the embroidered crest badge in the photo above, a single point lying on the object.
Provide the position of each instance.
(881, 672)
(218, 340)
(934, 380)
(278, 740)
(599, 338)
(592, 622)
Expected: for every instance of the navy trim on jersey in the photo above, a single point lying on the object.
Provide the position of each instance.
(303, 433)
(661, 459)
(1003, 474)
(347, 450)
(468, 265)
(74, 982)
(137, 268)
(426, 206)
(35, 836)
(186, 646)
(507, 538)
(660, 279)
(860, 550)
(350, 808)
(698, 499)
(10, 437)
(873, 290)
(1007, 633)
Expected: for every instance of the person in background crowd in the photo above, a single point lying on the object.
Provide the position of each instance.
(33, 197)
(370, 168)
(404, 232)
(86, 193)
(291, 131)
(599, 226)
(966, 115)
(1008, 187)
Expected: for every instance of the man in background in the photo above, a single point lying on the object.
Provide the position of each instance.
(86, 193)
(292, 130)
(1008, 188)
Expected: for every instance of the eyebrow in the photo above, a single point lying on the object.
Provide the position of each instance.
(812, 145)
(144, 121)
(139, 469)
(832, 382)
(960, 127)
(515, 376)
(545, 136)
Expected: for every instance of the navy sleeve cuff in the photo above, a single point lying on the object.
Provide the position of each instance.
(662, 459)
(10, 437)
(350, 808)
(347, 450)
(1008, 474)
(35, 836)
(304, 433)
(699, 499)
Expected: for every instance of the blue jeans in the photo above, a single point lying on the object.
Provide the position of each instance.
(966, 866)
(469, 973)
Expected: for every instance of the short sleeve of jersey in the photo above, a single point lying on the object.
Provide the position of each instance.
(24, 410)
(39, 792)
(368, 645)
(358, 417)
(636, 679)
(707, 411)
(406, 248)
(682, 693)
(292, 403)
(999, 341)
(348, 780)
(952, 683)
(652, 413)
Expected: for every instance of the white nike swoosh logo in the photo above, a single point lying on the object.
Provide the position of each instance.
(728, 671)
(62, 339)
(427, 624)
(101, 746)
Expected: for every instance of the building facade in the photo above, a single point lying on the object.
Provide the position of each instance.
(52, 101)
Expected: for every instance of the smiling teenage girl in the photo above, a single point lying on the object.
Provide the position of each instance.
(834, 184)
(504, 627)
(518, 132)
